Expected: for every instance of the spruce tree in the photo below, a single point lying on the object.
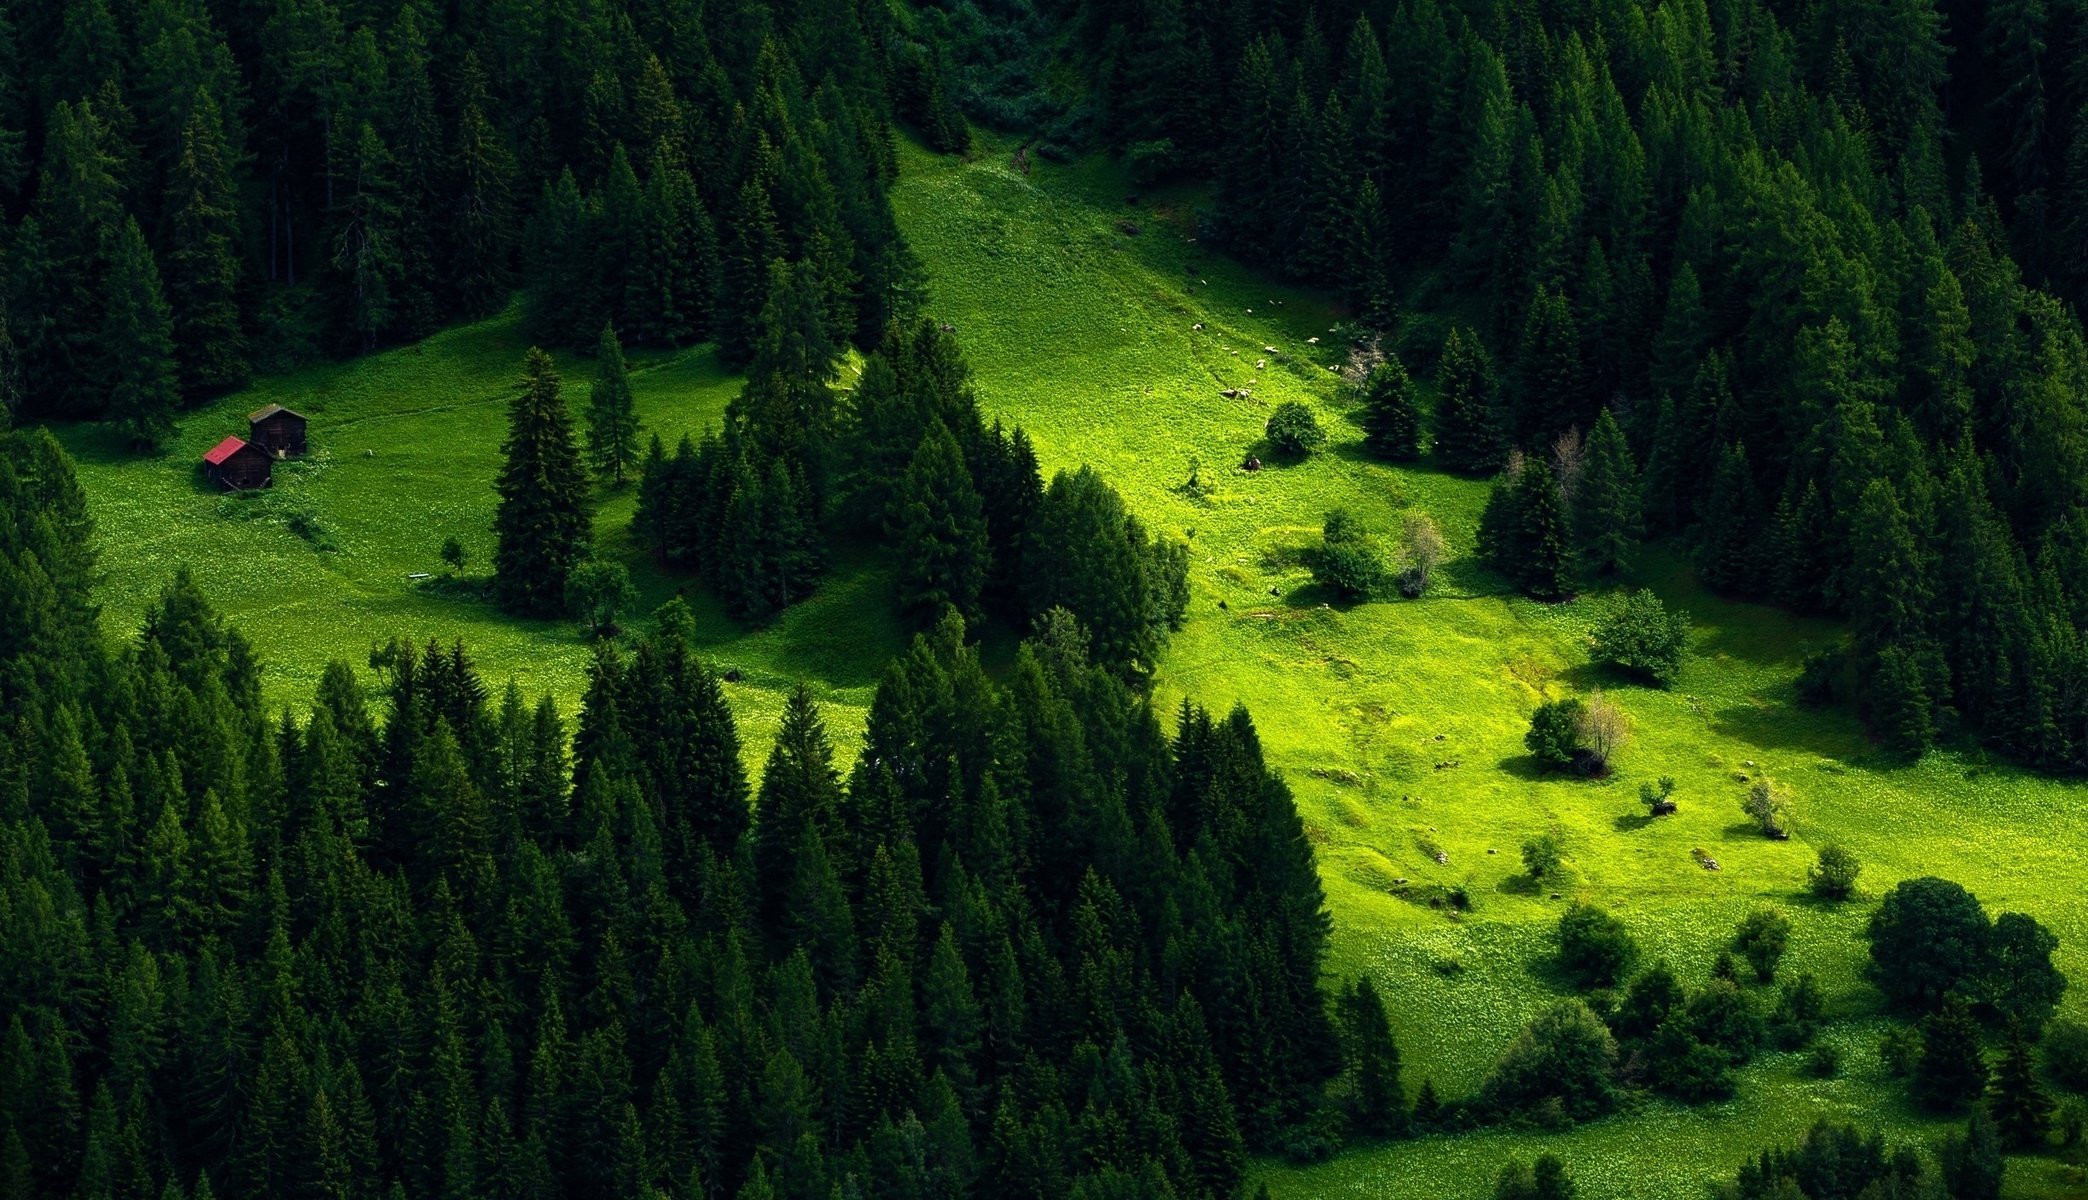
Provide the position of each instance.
(1543, 568)
(612, 413)
(1952, 1070)
(1468, 420)
(202, 265)
(1377, 1100)
(1606, 515)
(941, 535)
(1727, 550)
(137, 339)
(2021, 1109)
(541, 526)
(368, 267)
(1391, 415)
(1550, 377)
(481, 238)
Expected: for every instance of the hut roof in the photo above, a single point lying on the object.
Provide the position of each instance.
(271, 410)
(224, 450)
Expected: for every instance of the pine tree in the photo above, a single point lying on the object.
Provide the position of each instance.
(752, 244)
(799, 792)
(1378, 1102)
(202, 266)
(2021, 1110)
(1391, 415)
(612, 413)
(941, 534)
(1730, 522)
(367, 264)
(1543, 567)
(1606, 517)
(1952, 1069)
(1468, 419)
(482, 243)
(1550, 376)
(138, 341)
(541, 526)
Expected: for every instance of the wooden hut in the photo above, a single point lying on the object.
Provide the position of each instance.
(237, 464)
(278, 431)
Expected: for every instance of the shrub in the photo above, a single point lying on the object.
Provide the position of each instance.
(1899, 1050)
(453, 553)
(1800, 1006)
(1293, 431)
(1541, 857)
(1834, 876)
(1422, 552)
(1552, 739)
(1600, 729)
(1725, 1017)
(1762, 937)
(1565, 1055)
(597, 591)
(1659, 801)
(1825, 1060)
(1766, 808)
(1594, 947)
(1349, 561)
(1640, 636)
(1820, 678)
(1546, 1179)
(2066, 1054)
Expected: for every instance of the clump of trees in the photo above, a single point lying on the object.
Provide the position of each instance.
(1834, 876)
(1639, 635)
(1931, 942)
(1577, 734)
(911, 462)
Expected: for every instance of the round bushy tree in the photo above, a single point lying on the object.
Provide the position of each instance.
(1641, 636)
(1293, 431)
(1834, 876)
(1594, 947)
(1566, 1054)
(1928, 939)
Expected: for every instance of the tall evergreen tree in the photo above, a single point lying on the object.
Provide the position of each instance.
(1391, 415)
(1606, 520)
(941, 535)
(1468, 421)
(612, 412)
(2021, 1110)
(1544, 552)
(202, 264)
(137, 337)
(541, 525)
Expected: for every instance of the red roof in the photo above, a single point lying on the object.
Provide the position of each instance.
(224, 450)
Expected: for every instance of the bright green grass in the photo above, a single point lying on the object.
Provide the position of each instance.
(1083, 335)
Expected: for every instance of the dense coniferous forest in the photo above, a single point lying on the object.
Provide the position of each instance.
(1030, 945)
(1818, 262)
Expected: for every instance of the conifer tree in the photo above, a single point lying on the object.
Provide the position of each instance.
(1543, 566)
(2021, 1110)
(482, 241)
(1391, 415)
(367, 264)
(541, 526)
(1468, 421)
(1378, 1102)
(202, 267)
(941, 535)
(1606, 520)
(1727, 552)
(1549, 372)
(799, 793)
(612, 413)
(1952, 1070)
(137, 338)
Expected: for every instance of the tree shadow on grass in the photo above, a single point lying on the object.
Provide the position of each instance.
(1631, 822)
(1520, 885)
(1524, 767)
(1783, 725)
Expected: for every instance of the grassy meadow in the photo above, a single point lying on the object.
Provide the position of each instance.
(1398, 724)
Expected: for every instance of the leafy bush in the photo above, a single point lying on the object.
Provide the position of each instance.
(1567, 1056)
(1293, 431)
(1422, 551)
(1766, 808)
(1834, 876)
(1928, 939)
(2066, 1054)
(1825, 1060)
(1899, 1049)
(1546, 1179)
(1659, 801)
(1594, 947)
(1762, 937)
(1541, 857)
(1800, 1007)
(1349, 561)
(1640, 636)
(1552, 739)
(597, 592)
(1820, 678)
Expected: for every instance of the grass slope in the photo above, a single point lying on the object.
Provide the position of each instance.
(1083, 333)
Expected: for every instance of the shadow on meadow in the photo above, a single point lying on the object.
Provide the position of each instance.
(1822, 732)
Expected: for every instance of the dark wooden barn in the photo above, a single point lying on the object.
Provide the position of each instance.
(237, 464)
(278, 431)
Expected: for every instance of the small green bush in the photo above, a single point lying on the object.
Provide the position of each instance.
(1349, 561)
(1541, 857)
(1293, 431)
(1762, 937)
(1641, 636)
(1834, 876)
(1554, 739)
(2066, 1054)
(1594, 947)
(1825, 1060)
